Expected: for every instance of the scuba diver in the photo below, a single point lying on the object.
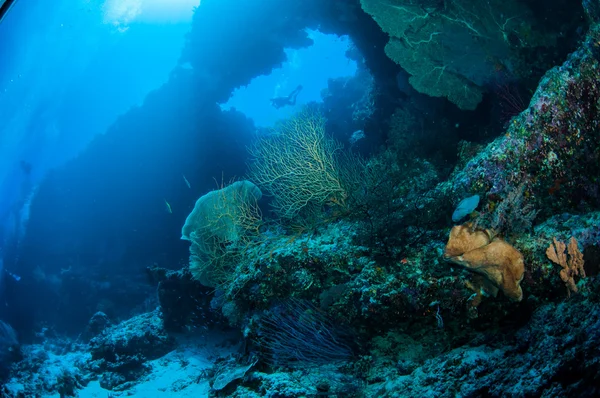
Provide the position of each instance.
(280, 102)
(14, 211)
(5, 6)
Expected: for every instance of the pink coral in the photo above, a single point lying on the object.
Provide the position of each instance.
(571, 268)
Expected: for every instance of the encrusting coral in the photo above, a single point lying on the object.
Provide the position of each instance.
(556, 253)
(491, 257)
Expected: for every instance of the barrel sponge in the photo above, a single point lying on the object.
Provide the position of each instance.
(217, 211)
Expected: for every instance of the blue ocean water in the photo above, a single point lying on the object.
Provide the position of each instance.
(266, 198)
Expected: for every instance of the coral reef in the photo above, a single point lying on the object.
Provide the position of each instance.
(551, 147)
(455, 51)
(358, 284)
(184, 302)
(58, 366)
(574, 267)
(376, 289)
(121, 351)
(554, 355)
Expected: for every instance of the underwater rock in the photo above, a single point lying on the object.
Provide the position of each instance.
(592, 10)
(112, 380)
(96, 325)
(301, 266)
(314, 381)
(124, 348)
(553, 147)
(554, 355)
(230, 372)
(184, 301)
(59, 366)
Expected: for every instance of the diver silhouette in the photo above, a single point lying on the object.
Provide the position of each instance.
(280, 102)
(25, 167)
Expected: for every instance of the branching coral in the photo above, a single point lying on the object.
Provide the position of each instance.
(571, 268)
(302, 167)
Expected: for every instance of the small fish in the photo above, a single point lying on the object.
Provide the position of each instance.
(169, 210)
(186, 181)
(14, 276)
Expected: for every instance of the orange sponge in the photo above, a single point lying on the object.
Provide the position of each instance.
(493, 258)
(464, 238)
